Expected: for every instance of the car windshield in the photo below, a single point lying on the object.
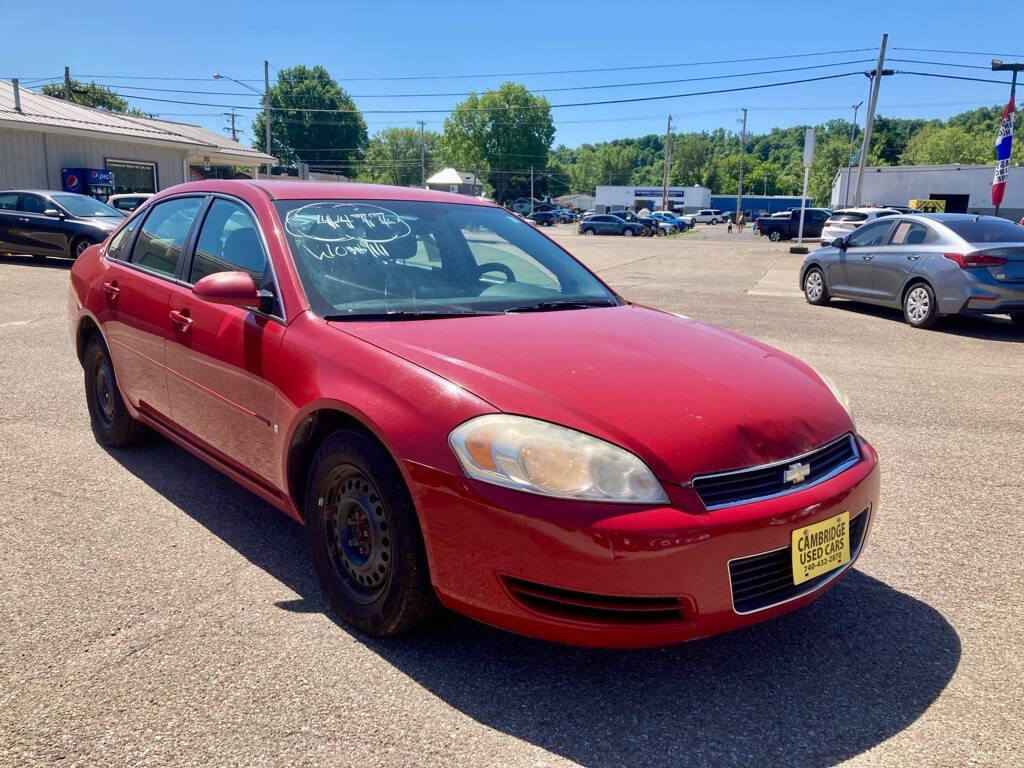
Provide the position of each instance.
(987, 230)
(81, 205)
(848, 216)
(394, 259)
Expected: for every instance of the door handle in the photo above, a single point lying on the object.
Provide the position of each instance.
(181, 319)
(110, 288)
(913, 257)
(867, 257)
(23, 219)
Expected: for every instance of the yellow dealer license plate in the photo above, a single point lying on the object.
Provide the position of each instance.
(821, 547)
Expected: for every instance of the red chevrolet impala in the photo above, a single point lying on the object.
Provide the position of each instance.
(462, 414)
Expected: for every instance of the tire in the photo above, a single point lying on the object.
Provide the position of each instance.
(111, 423)
(919, 307)
(1017, 318)
(78, 245)
(815, 289)
(627, 232)
(661, 232)
(588, 231)
(365, 539)
(714, 221)
(775, 235)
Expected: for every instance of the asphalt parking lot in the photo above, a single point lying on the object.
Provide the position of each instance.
(156, 614)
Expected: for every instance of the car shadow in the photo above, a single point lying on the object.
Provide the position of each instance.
(812, 688)
(992, 327)
(49, 262)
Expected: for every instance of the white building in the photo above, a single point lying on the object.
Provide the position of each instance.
(40, 136)
(965, 188)
(686, 199)
(451, 180)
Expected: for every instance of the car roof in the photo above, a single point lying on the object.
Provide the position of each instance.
(318, 190)
(39, 192)
(864, 209)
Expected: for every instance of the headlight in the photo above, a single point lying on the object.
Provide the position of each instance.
(539, 457)
(839, 395)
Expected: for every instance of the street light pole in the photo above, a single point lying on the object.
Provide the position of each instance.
(743, 151)
(265, 93)
(849, 159)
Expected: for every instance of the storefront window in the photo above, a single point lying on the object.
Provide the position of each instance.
(132, 176)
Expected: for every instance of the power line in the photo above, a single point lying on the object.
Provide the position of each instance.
(961, 53)
(953, 77)
(986, 67)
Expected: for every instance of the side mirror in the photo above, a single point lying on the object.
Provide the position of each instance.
(234, 288)
(839, 243)
(53, 213)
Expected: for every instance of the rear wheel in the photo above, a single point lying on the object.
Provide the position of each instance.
(775, 235)
(661, 232)
(109, 417)
(78, 246)
(1017, 318)
(364, 537)
(815, 290)
(919, 308)
(627, 232)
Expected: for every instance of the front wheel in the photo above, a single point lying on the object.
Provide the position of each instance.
(919, 308)
(627, 233)
(775, 235)
(79, 245)
(1017, 318)
(815, 290)
(588, 232)
(364, 537)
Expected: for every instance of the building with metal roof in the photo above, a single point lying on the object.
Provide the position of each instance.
(42, 138)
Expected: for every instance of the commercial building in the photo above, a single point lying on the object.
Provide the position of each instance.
(687, 199)
(963, 188)
(47, 143)
(573, 201)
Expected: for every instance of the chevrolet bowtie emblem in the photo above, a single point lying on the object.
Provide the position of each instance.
(797, 473)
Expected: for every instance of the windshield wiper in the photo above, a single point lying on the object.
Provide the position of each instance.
(402, 314)
(555, 306)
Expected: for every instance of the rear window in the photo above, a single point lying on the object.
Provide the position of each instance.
(987, 230)
(848, 216)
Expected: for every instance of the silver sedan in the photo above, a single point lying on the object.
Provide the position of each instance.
(928, 265)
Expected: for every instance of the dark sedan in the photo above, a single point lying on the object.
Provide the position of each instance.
(607, 224)
(44, 223)
(543, 218)
(927, 265)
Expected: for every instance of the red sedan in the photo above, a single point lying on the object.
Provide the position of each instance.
(462, 414)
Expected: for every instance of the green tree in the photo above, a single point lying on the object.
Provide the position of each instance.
(91, 95)
(393, 157)
(503, 132)
(327, 140)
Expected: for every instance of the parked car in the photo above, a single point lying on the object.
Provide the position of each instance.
(669, 224)
(928, 265)
(786, 226)
(650, 225)
(470, 433)
(43, 223)
(843, 221)
(607, 224)
(128, 201)
(563, 215)
(710, 216)
(686, 219)
(543, 218)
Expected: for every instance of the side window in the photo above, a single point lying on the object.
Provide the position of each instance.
(909, 233)
(228, 242)
(33, 204)
(116, 249)
(870, 235)
(158, 246)
(9, 201)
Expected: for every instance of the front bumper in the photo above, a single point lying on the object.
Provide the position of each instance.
(623, 569)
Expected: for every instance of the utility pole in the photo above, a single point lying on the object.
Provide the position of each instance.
(234, 132)
(668, 160)
(423, 164)
(531, 190)
(266, 109)
(743, 151)
(870, 119)
(67, 83)
(999, 66)
(849, 159)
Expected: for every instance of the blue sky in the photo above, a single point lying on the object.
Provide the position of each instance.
(360, 41)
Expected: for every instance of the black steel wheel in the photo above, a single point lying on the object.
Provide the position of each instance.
(364, 537)
(111, 423)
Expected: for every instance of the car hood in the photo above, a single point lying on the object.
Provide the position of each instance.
(686, 397)
(108, 223)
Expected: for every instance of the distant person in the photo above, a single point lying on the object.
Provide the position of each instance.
(741, 222)
(730, 224)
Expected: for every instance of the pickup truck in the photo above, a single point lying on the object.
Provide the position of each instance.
(777, 227)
